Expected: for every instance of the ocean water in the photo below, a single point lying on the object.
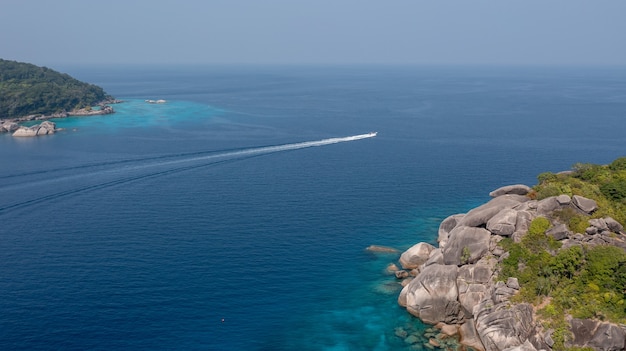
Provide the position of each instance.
(205, 223)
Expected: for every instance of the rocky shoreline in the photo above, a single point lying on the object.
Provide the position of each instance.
(12, 125)
(455, 286)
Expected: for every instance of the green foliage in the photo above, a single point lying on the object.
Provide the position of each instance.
(26, 89)
(590, 172)
(575, 221)
(552, 189)
(539, 225)
(615, 189)
(546, 177)
(618, 165)
(605, 184)
(465, 255)
(568, 262)
(605, 267)
(583, 282)
(580, 281)
(536, 240)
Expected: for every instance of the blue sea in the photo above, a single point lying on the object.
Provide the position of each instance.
(236, 216)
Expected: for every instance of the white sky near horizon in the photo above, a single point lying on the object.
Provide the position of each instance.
(446, 32)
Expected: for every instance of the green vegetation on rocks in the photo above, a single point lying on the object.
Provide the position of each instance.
(606, 184)
(26, 89)
(582, 281)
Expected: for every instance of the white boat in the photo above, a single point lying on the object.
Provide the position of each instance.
(372, 134)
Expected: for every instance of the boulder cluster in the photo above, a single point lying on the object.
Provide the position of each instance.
(455, 284)
(44, 128)
(8, 126)
(47, 127)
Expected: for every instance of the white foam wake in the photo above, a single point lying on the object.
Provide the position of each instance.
(136, 172)
(270, 149)
(131, 168)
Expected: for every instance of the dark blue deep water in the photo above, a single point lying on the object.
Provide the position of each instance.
(144, 229)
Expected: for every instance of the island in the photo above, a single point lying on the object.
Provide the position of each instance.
(534, 268)
(29, 92)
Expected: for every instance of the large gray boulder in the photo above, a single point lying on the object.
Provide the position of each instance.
(586, 205)
(517, 189)
(503, 223)
(563, 199)
(472, 283)
(609, 337)
(9, 127)
(613, 225)
(25, 132)
(547, 206)
(446, 226)
(416, 255)
(502, 292)
(466, 245)
(526, 346)
(480, 215)
(432, 295)
(559, 232)
(436, 257)
(600, 336)
(599, 223)
(524, 218)
(44, 128)
(501, 326)
(469, 336)
(583, 330)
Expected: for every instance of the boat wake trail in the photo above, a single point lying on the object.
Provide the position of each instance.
(85, 178)
(275, 148)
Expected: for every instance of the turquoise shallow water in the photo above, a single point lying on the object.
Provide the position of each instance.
(146, 228)
(136, 113)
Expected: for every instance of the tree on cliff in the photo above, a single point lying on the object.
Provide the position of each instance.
(26, 89)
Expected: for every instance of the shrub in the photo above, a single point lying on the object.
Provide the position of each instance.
(584, 282)
(552, 189)
(536, 240)
(465, 255)
(539, 225)
(615, 190)
(546, 177)
(590, 172)
(618, 165)
(575, 221)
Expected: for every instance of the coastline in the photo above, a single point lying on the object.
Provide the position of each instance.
(456, 286)
(105, 109)
(11, 125)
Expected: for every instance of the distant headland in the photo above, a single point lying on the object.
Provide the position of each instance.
(29, 92)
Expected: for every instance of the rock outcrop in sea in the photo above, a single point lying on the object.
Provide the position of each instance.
(455, 286)
(12, 125)
(44, 128)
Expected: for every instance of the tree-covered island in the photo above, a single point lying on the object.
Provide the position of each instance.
(29, 92)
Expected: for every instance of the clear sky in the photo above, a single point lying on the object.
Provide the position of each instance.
(502, 32)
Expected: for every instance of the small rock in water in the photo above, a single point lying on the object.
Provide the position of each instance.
(430, 335)
(411, 339)
(391, 268)
(434, 342)
(401, 274)
(401, 333)
(388, 288)
(381, 249)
